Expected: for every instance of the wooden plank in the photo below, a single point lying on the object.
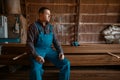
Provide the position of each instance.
(84, 55)
(90, 75)
(53, 13)
(93, 60)
(92, 49)
(51, 4)
(12, 44)
(90, 60)
(75, 60)
(84, 48)
(93, 74)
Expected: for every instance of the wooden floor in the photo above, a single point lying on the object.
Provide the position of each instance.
(85, 73)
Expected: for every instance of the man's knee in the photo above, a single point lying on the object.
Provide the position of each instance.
(67, 63)
(37, 70)
(36, 67)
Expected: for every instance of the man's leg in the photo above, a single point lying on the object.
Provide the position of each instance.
(36, 67)
(36, 70)
(63, 65)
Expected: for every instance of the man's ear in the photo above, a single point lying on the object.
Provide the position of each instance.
(40, 14)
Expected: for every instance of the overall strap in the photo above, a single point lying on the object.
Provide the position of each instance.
(50, 27)
(38, 26)
(40, 29)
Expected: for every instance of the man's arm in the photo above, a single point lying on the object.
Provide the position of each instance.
(56, 43)
(31, 40)
(58, 46)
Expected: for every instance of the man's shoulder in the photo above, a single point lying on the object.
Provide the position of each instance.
(32, 26)
(51, 26)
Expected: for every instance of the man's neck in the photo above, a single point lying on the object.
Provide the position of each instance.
(44, 23)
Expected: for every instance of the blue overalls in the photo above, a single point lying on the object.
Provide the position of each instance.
(43, 48)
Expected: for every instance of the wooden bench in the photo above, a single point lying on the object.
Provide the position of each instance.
(84, 55)
(88, 61)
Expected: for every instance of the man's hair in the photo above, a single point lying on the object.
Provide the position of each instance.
(41, 10)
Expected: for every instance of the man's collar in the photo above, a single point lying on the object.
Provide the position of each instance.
(42, 23)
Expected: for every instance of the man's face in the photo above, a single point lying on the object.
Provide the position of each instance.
(45, 16)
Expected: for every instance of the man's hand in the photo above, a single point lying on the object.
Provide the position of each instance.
(61, 56)
(40, 59)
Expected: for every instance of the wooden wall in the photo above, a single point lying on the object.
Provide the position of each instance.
(63, 14)
(95, 15)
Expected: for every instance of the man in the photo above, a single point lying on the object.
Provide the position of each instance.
(40, 38)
